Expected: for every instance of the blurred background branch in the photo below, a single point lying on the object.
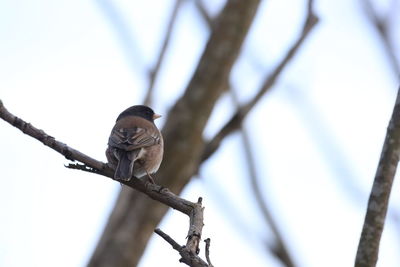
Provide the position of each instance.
(153, 73)
(235, 121)
(383, 27)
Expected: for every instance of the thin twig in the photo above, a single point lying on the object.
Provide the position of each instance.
(124, 33)
(81, 167)
(234, 123)
(382, 27)
(189, 253)
(279, 249)
(208, 241)
(169, 239)
(368, 248)
(153, 74)
(204, 13)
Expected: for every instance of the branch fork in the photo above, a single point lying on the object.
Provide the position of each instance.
(190, 252)
(194, 210)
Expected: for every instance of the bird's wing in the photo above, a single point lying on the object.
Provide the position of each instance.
(133, 138)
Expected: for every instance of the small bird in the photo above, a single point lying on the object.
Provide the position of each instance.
(135, 147)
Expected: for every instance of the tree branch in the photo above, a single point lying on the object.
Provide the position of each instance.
(68, 152)
(187, 256)
(204, 13)
(208, 241)
(190, 252)
(156, 192)
(368, 248)
(234, 123)
(124, 33)
(382, 28)
(156, 69)
(279, 248)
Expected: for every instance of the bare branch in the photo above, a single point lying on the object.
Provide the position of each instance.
(368, 248)
(91, 165)
(156, 192)
(47, 140)
(382, 26)
(124, 33)
(208, 241)
(169, 239)
(279, 249)
(204, 13)
(234, 123)
(189, 253)
(155, 70)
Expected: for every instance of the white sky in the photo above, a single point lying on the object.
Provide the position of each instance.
(318, 134)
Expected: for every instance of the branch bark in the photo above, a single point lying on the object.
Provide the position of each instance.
(368, 248)
(193, 210)
(190, 252)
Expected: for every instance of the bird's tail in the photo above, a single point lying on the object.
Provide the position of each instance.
(124, 169)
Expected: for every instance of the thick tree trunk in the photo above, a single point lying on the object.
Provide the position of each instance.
(135, 216)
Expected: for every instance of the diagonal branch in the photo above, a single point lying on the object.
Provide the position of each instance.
(382, 28)
(368, 248)
(279, 248)
(204, 13)
(124, 33)
(156, 192)
(190, 252)
(187, 257)
(47, 140)
(156, 69)
(234, 123)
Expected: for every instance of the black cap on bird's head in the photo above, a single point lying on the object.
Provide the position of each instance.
(140, 111)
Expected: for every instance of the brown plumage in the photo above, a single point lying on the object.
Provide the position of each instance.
(135, 147)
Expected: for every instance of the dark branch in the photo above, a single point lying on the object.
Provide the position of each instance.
(368, 248)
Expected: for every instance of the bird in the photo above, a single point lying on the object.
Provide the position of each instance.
(135, 146)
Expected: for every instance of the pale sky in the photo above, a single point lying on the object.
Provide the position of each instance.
(66, 69)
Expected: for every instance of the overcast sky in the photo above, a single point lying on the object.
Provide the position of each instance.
(70, 67)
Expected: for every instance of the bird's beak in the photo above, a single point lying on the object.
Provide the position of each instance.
(156, 116)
